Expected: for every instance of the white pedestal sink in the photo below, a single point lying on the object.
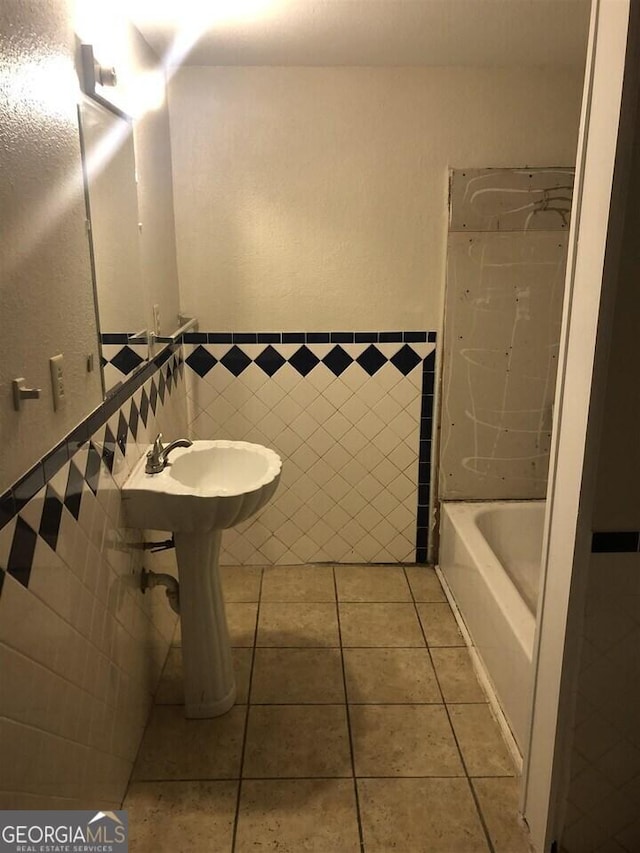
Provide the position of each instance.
(202, 490)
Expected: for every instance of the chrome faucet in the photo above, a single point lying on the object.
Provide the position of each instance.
(157, 456)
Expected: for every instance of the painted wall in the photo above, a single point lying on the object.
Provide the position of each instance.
(46, 298)
(316, 198)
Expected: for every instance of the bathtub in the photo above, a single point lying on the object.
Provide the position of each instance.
(490, 562)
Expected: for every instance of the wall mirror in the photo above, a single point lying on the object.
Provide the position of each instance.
(109, 167)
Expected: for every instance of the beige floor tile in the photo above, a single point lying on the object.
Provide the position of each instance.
(170, 689)
(241, 619)
(403, 740)
(440, 626)
(241, 583)
(176, 748)
(481, 743)
(298, 583)
(372, 583)
(419, 816)
(172, 817)
(457, 677)
(390, 675)
(379, 625)
(297, 741)
(297, 676)
(298, 624)
(315, 815)
(424, 583)
(499, 801)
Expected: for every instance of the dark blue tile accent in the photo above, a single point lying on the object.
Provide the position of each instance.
(7, 508)
(366, 337)
(144, 406)
(303, 360)
(421, 556)
(430, 362)
(201, 361)
(95, 421)
(28, 486)
(118, 338)
(337, 360)
(162, 386)
(390, 337)
(318, 338)
(54, 460)
(121, 436)
(195, 337)
(425, 450)
(109, 449)
(405, 360)
(169, 379)
(51, 517)
(431, 337)
(22, 550)
(423, 516)
(73, 493)
(92, 472)
(103, 361)
(153, 396)
(76, 438)
(371, 360)
(427, 384)
(341, 337)
(162, 358)
(268, 337)
(270, 361)
(293, 337)
(415, 337)
(235, 361)
(133, 421)
(426, 406)
(423, 494)
(245, 338)
(220, 338)
(615, 542)
(126, 360)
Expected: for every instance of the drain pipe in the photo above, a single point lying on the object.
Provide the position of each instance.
(150, 579)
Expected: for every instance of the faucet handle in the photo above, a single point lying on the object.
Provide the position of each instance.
(154, 456)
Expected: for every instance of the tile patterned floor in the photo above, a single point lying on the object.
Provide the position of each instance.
(360, 726)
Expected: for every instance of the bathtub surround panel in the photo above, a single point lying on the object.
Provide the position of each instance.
(81, 648)
(350, 414)
(505, 284)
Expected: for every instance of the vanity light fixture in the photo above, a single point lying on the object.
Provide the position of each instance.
(93, 74)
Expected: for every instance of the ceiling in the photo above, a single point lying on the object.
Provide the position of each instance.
(482, 33)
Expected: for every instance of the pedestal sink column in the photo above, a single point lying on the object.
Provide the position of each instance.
(209, 683)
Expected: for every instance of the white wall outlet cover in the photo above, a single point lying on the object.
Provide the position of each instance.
(57, 381)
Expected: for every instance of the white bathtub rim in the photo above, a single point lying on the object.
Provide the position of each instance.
(484, 678)
(515, 610)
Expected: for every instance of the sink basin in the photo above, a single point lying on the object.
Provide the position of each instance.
(203, 489)
(211, 485)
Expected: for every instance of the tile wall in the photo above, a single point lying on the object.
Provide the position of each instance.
(350, 413)
(119, 358)
(81, 648)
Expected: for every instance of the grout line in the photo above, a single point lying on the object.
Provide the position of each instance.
(346, 706)
(246, 719)
(455, 738)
